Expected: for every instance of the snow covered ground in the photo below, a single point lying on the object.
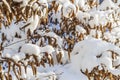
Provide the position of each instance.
(59, 40)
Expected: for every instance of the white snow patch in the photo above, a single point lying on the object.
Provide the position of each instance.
(107, 4)
(86, 58)
(30, 49)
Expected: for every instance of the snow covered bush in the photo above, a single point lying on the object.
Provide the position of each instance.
(102, 56)
(40, 39)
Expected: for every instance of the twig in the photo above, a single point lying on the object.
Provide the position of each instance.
(7, 5)
(14, 43)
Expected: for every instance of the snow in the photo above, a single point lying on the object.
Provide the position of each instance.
(82, 54)
(49, 49)
(80, 29)
(81, 3)
(33, 20)
(59, 39)
(35, 6)
(107, 4)
(53, 35)
(30, 49)
(16, 58)
(68, 8)
(43, 1)
(25, 3)
(17, 0)
(100, 46)
(95, 21)
(7, 55)
(72, 75)
(81, 16)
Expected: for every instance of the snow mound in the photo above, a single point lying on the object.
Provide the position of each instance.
(101, 53)
(48, 48)
(30, 49)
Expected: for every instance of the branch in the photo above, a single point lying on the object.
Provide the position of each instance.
(14, 43)
(7, 5)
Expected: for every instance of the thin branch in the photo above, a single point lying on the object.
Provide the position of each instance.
(7, 5)
(15, 43)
